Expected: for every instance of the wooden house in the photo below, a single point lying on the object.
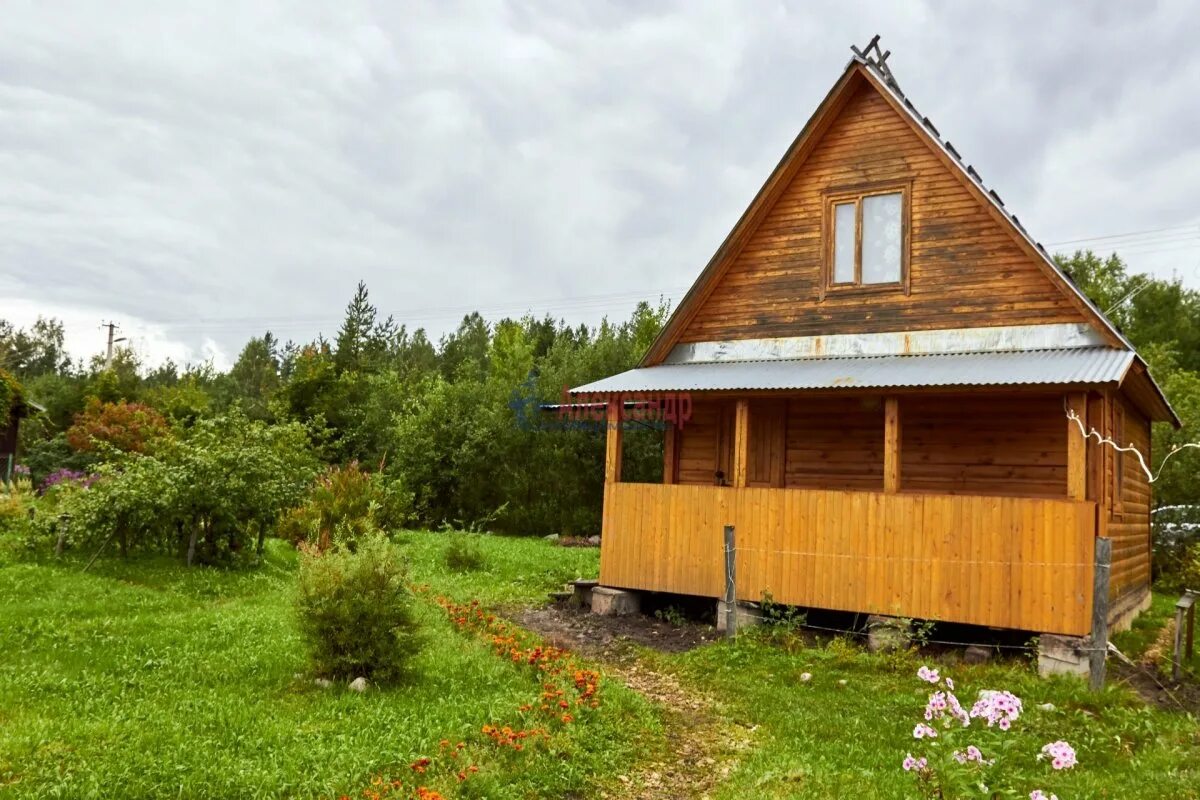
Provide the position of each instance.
(879, 362)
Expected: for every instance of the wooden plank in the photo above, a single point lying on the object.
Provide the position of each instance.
(612, 449)
(891, 445)
(1009, 562)
(1077, 472)
(670, 454)
(741, 443)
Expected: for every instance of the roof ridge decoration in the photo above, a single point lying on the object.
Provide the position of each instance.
(879, 61)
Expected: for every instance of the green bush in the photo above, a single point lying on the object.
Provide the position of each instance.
(1189, 576)
(206, 495)
(345, 505)
(355, 611)
(463, 553)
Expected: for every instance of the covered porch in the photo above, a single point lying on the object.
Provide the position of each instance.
(974, 507)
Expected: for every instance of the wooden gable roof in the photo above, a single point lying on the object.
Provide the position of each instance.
(778, 299)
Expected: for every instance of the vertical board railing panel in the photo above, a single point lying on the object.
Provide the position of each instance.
(1008, 562)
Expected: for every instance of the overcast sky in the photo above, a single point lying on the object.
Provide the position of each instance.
(203, 175)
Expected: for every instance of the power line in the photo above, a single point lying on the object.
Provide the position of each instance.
(1191, 225)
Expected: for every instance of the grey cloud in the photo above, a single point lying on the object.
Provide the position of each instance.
(223, 167)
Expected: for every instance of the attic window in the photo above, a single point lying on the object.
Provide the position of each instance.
(866, 234)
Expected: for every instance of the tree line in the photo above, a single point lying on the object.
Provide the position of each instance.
(456, 422)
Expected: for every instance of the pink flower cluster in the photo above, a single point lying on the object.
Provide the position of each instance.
(971, 755)
(1038, 794)
(928, 675)
(917, 764)
(998, 708)
(923, 731)
(945, 704)
(1061, 755)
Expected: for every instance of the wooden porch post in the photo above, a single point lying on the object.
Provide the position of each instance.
(1077, 472)
(670, 448)
(741, 443)
(612, 449)
(891, 445)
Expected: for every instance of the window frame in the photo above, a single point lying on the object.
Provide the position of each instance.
(836, 196)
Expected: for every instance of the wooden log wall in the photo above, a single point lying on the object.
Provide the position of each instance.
(1008, 562)
(966, 444)
(982, 444)
(1129, 515)
(965, 269)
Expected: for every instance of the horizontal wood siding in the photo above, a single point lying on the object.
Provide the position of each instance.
(835, 443)
(965, 269)
(1000, 561)
(984, 445)
(1129, 528)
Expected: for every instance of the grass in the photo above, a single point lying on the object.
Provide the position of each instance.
(820, 738)
(1136, 641)
(145, 679)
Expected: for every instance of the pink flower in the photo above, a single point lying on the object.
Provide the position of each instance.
(922, 731)
(928, 675)
(949, 684)
(1061, 755)
(911, 763)
(972, 754)
(1038, 794)
(998, 708)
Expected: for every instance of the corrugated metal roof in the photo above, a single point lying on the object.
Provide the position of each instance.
(1068, 366)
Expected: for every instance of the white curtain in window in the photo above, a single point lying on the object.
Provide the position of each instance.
(881, 238)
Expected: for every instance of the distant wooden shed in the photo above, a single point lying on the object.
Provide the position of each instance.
(879, 362)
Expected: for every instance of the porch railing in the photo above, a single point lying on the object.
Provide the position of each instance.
(1007, 562)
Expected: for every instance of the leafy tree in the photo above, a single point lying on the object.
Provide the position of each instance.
(255, 378)
(37, 351)
(466, 349)
(125, 427)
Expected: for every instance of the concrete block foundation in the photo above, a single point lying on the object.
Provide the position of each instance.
(1063, 655)
(748, 616)
(609, 602)
(582, 590)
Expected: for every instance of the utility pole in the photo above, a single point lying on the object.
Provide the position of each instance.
(112, 329)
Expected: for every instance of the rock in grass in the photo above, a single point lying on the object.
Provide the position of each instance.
(359, 684)
(977, 654)
(551, 538)
(323, 683)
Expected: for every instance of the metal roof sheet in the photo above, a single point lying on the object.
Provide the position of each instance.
(1066, 366)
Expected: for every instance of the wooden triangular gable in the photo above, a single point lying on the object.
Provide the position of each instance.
(972, 264)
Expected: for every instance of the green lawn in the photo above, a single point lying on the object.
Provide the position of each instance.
(820, 738)
(144, 679)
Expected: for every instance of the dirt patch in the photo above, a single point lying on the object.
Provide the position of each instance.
(579, 629)
(701, 749)
(1156, 689)
(1151, 684)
